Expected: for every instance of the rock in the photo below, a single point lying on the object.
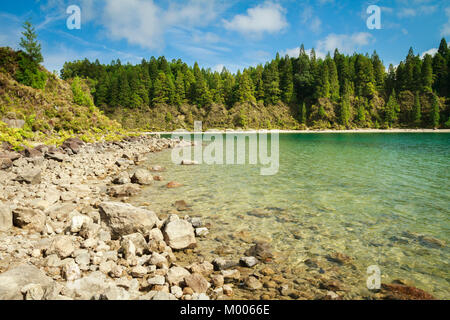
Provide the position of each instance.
(339, 258)
(31, 153)
(29, 176)
(128, 248)
(77, 223)
(12, 281)
(201, 232)
(197, 283)
(227, 290)
(33, 292)
(196, 222)
(158, 178)
(115, 293)
(252, 283)
(176, 291)
(86, 288)
(122, 178)
(204, 268)
(181, 205)
(262, 251)
(156, 234)
(222, 264)
(6, 218)
(431, 242)
(231, 274)
(156, 280)
(142, 177)
(188, 163)
(28, 218)
(139, 272)
(173, 184)
(176, 275)
(71, 271)
(126, 190)
(157, 169)
(138, 241)
(62, 245)
(217, 280)
(5, 163)
(248, 262)
(331, 295)
(403, 292)
(56, 156)
(158, 260)
(124, 219)
(160, 295)
(74, 144)
(179, 234)
(14, 123)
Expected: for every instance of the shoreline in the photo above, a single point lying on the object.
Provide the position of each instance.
(67, 223)
(302, 131)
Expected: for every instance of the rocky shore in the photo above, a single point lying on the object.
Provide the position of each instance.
(68, 233)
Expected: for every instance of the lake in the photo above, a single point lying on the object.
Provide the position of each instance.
(380, 198)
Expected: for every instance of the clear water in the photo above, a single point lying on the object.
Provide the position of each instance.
(358, 194)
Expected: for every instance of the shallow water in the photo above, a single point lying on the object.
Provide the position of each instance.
(365, 195)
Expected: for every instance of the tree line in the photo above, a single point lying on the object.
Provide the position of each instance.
(344, 90)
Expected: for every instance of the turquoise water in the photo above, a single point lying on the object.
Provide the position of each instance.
(372, 197)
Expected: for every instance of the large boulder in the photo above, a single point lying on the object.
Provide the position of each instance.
(6, 221)
(179, 234)
(29, 176)
(142, 177)
(5, 163)
(12, 281)
(124, 219)
(27, 218)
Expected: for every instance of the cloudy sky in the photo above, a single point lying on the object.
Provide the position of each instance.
(218, 33)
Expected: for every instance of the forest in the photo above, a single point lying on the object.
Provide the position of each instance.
(339, 91)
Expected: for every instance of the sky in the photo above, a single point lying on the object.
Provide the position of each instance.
(217, 33)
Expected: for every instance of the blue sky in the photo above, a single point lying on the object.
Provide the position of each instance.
(217, 33)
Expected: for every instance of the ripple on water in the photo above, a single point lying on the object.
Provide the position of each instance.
(351, 193)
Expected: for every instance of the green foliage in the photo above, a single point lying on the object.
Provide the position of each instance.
(435, 112)
(80, 97)
(29, 43)
(29, 74)
(349, 84)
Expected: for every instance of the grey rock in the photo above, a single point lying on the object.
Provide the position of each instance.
(6, 218)
(179, 234)
(124, 219)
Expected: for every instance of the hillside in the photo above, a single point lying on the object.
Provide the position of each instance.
(61, 109)
(336, 92)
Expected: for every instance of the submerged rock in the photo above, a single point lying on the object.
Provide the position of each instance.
(404, 292)
(142, 177)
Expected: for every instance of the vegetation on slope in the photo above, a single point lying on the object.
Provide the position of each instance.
(336, 92)
(47, 109)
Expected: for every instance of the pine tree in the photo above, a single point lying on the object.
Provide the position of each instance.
(287, 80)
(427, 73)
(417, 111)
(180, 94)
(344, 114)
(334, 80)
(303, 116)
(391, 110)
(271, 78)
(435, 112)
(29, 43)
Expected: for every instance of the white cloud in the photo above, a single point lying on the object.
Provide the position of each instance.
(144, 23)
(268, 17)
(410, 12)
(445, 31)
(312, 21)
(431, 52)
(347, 44)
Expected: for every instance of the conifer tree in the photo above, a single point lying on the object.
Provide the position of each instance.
(435, 117)
(417, 111)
